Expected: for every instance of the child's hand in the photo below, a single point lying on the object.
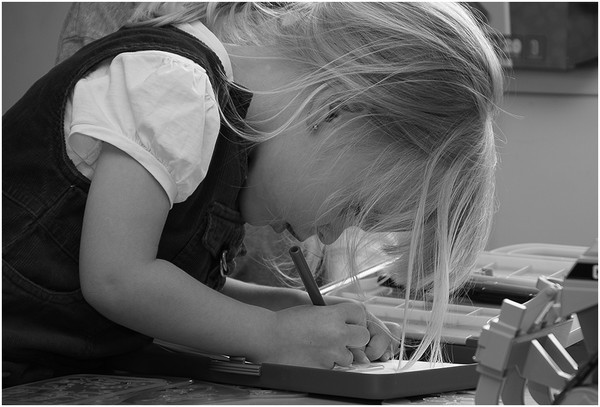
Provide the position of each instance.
(319, 336)
(385, 339)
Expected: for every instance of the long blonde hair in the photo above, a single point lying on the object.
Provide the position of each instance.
(428, 81)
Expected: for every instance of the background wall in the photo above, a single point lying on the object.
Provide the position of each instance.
(29, 42)
(547, 182)
(548, 173)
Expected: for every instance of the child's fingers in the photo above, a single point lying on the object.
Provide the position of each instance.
(377, 346)
(354, 313)
(395, 329)
(345, 359)
(358, 336)
(386, 356)
(360, 358)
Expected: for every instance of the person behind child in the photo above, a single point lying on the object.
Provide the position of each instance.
(131, 168)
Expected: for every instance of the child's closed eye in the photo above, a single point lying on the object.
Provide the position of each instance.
(336, 109)
(334, 112)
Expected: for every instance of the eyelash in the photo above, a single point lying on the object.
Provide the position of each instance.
(334, 112)
(331, 116)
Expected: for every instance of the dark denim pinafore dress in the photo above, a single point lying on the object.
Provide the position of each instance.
(47, 327)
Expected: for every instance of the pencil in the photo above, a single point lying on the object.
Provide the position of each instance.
(306, 276)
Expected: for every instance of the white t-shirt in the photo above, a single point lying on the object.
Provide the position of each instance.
(156, 106)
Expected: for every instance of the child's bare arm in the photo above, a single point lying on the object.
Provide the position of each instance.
(122, 279)
(273, 298)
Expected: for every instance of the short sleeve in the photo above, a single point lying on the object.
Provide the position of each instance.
(157, 107)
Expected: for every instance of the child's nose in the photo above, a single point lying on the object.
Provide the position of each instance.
(330, 232)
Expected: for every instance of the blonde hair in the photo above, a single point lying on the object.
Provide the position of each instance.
(427, 81)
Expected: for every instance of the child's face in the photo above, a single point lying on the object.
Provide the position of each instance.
(290, 177)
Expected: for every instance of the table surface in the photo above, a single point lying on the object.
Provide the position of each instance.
(107, 389)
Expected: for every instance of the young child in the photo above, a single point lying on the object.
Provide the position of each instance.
(131, 168)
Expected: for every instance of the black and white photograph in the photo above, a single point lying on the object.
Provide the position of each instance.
(289, 203)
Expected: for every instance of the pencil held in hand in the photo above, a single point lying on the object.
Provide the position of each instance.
(306, 275)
